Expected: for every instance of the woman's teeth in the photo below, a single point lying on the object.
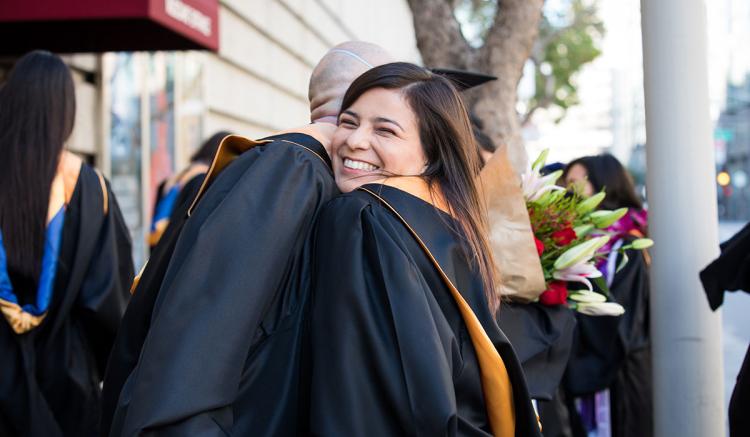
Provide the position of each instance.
(359, 165)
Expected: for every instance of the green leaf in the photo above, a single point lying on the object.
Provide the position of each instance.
(580, 252)
(604, 219)
(540, 160)
(642, 243)
(590, 203)
(623, 262)
(601, 284)
(583, 230)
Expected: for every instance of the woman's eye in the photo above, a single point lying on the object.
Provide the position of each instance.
(346, 122)
(385, 130)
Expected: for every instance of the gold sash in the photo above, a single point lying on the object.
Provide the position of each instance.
(496, 385)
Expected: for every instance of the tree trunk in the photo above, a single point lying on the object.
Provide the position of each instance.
(506, 48)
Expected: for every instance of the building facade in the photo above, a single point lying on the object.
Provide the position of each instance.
(140, 115)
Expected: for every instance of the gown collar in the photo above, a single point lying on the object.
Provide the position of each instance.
(417, 205)
(232, 146)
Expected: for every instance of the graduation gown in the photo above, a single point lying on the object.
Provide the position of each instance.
(615, 353)
(50, 376)
(223, 349)
(391, 354)
(137, 318)
(542, 337)
(731, 271)
(171, 205)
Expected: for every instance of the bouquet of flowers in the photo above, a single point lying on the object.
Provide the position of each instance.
(570, 234)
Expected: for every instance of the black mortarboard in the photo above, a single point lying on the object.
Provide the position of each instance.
(463, 80)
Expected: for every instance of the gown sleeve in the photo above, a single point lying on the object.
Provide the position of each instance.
(232, 256)
(542, 337)
(136, 321)
(602, 343)
(105, 290)
(381, 362)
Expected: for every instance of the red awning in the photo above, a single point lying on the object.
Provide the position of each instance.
(108, 25)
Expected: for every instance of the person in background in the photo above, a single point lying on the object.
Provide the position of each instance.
(608, 379)
(731, 272)
(541, 335)
(65, 260)
(171, 192)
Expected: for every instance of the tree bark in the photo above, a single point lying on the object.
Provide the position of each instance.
(438, 34)
(507, 46)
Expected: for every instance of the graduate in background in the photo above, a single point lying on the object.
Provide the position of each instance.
(608, 380)
(65, 262)
(171, 192)
(403, 336)
(211, 343)
(731, 271)
(541, 335)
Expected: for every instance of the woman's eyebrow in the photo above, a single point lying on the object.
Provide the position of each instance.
(388, 120)
(351, 113)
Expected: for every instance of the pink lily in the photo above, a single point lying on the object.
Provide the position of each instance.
(579, 272)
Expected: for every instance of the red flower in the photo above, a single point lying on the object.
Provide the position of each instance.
(556, 294)
(564, 237)
(539, 246)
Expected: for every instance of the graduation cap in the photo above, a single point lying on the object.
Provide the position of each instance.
(462, 79)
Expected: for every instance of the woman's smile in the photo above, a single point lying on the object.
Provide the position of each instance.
(355, 166)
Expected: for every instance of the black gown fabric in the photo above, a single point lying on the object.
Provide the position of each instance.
(391, 355)
(137, 319)
(542, 337)
(223, 351)
(614, 353)
(731, 271)
(50, 376)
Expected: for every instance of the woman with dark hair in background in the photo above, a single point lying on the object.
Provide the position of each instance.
(177, 189)
(404, 340)
(65, 262)
(610, 366)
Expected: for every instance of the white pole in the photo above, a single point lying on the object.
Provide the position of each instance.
(686, 335)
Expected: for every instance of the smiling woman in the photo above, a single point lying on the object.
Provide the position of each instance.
(368, 145)
(403, 335)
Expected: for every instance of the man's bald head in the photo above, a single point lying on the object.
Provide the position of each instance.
(337, 70)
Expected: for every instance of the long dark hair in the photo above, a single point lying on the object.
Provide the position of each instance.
(605, 172)
(449, 145)
(207, 150)
(37, 112)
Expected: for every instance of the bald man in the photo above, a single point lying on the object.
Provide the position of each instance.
(211, 342)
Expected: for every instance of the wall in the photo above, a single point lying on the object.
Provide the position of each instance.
(254, 85)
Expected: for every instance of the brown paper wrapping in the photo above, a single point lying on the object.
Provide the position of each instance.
(511, 238)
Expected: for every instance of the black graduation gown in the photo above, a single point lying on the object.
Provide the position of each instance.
(49, 378)
(222, 351)
(542, 337)
(731, 271)
(615, 353)
(137, 319)
(391, 355)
